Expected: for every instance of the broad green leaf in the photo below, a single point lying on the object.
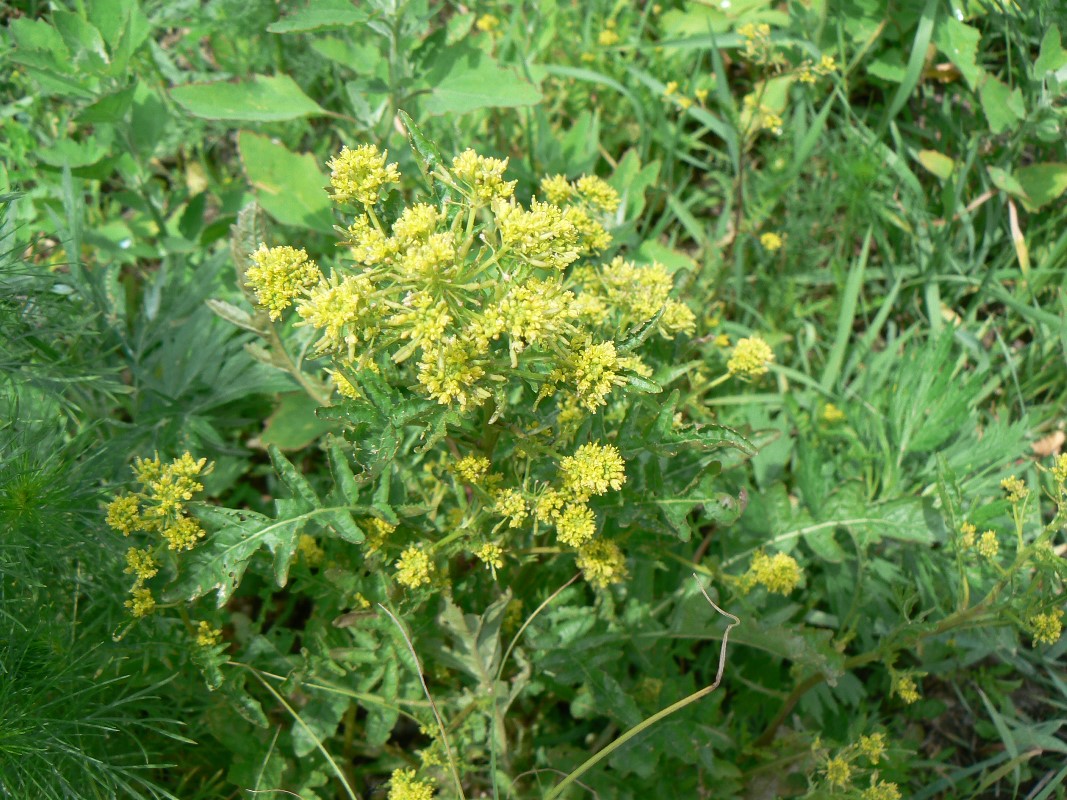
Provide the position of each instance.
(936, 163)
(319, 15)
(463, 78)
(320, 716)
(1003, 107)
(1052, 56)
(262, 99)
(338, 518)
(294, 424)
(67, 152)
(289, 186)
(1006, 182)
(83, 40)
(958, 42)
(1042, 183)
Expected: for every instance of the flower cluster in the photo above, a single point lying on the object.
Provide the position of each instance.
(404, 786)
(750, 358)
(159, 511)
(1046, 628)
(843, 769)
(779, 573)
(476, 297)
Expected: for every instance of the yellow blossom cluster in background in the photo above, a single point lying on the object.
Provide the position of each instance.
(158, 511)
(750, 358)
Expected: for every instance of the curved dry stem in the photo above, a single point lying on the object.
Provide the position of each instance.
(426, 690)
(595, 759)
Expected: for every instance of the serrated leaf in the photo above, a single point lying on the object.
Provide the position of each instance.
(475, 639)
(262, 99)
(292, 478)
(427, 156)
(219, 563)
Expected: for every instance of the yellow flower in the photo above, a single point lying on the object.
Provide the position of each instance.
(780, 573)
(206, 636)
(1059, 469)
(607, 38)
(838, 772)
(377, 531)
(414, 567)
(549, 506)
(484, 176)
(677, 318)
(543, 236)
(141, 602)
(472, 469)
(831, 414)
(576, 525)
(826, 65)
(750, 357)
(141, 564)
(336, 307)
(988, 546)
(403, 786)
(183, 533)
(906, 689)
(492, 555)
(510, 504)
(417, 222)
(449, 375)
(487, 23)
(873, 746)
(1015, 488)
(596, 374)
(1046, 628)
(360, 174)
(967, 535)
(598, 193)
(279, 275)
(701, 96)
(123, 514)
(670, 88)
(881, 790)
(771, 242)
(592, 470)
(602, 563)
(310, 549)
(557, 189)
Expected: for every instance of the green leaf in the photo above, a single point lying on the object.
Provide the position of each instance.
(1003, 107)
(294, 424)
(1052, 56)
(321, 715)
(427, 155)
(319, 15)
(475, 640)
(263, 99)
(1042, 183)
(289, 186)
(958, 42)
(219, 563)
(463, 78)
(936, 163)
(82, 38)
(68, 153)
(1006, 182)
(338, 518)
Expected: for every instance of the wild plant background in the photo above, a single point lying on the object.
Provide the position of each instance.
(422, 400)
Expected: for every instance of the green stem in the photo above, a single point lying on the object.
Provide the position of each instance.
(666, 712)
